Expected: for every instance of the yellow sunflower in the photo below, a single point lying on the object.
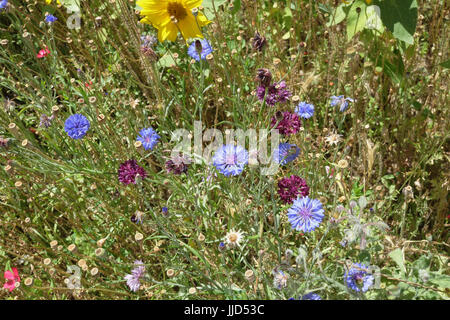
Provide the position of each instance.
(171, 16)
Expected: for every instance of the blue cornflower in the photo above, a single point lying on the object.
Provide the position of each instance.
(343, 102)
(148, 137)
(77, 126)
(3, 4)
(305, 214)
(230, 159)
(358, 278)
(50, 18)
(222, 246)
(311, 296)
(199, 49)
(285, 153)
(305, 110)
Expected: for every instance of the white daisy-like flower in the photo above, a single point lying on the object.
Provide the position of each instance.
(233, 238)
(333, 138)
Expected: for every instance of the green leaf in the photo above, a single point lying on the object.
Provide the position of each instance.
(72, 5)
(338, 16)
(322, 7)
(213, 3)
(397, 256)
(236, 6)
(356, 19)
(209, 6)
(362, 202)
(286, 36)
(167, 60)
(441, 280)
(400, 17)
(395, 68)
(445, 64)
(287, 18)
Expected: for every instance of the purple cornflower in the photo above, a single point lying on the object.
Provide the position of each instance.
(290, 188)
(146, 46)
(178, 164)
(274, 93)
(289, 123)
(199, 49)
(129, 170)
(148, 41)
(264, 77)
(230, 159)
(341, 101)
(285, 153)
(305, 214)
(137, 217)
(4, 142)
(259, 42)
(358, 278)
(305, 110)
(46, 121)
(148, 137)
(49, 18)
(222, 246)
(134, 279)
(77, 126)
(165, 211)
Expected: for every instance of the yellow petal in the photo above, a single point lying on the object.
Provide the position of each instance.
(191, 4)
(189, 28)
(202, 20)
(167, 32)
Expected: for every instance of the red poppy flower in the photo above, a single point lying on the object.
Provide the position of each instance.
(88, 84)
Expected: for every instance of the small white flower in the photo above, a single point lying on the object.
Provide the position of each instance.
(333, 138)
(233, 238)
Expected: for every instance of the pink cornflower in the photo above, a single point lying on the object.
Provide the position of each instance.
(43, 53)
(11, 279)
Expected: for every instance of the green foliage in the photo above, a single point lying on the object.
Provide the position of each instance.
(356, 18)
(384, 195)
(400, 17)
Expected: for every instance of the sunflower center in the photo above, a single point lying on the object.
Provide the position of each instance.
(176, 10)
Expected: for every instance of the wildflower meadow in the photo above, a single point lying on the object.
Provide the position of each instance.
(224, 150)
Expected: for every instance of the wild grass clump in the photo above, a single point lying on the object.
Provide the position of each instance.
(97, 96)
